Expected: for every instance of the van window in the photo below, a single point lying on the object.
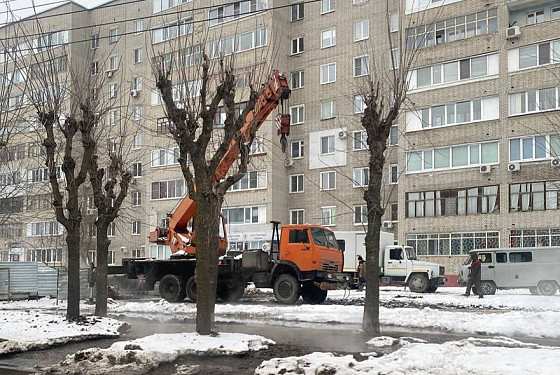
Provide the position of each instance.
(298, 236)
(521, 257)
(501, 257)
(486, 257)
(396, 254)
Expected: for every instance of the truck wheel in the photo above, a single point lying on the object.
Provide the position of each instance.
(231, 293)
(190, 289)
(432, 288)
(488, 287)
(418, 283)
(534, 291)
(547, 288)
(286, 289)
(313, 295)
(172, 288)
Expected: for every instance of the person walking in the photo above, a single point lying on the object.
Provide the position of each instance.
(361, 272)
(474, 276)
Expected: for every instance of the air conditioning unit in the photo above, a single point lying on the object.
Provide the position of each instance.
(134, 93)
(387, 224)
(513, 32)
(342, 134)
(555, 162)
(514, 167)
(109, 73)
(124, 250)
(288, 162)
(486, 168)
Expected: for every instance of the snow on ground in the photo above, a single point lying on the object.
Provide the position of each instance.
(26, 330)
(383, 341)
(465, 357)
(144, 354)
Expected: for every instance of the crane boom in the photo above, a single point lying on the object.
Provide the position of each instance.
(177, 235)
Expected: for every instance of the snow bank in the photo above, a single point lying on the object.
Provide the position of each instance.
(384, 341)
(144, 354)
(26, 330)
(465, 357)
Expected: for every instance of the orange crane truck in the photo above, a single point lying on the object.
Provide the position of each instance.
(304, 261)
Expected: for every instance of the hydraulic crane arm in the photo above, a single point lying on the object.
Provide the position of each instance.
(177, 236)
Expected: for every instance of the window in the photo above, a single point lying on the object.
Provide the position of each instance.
(11, 230)
(361, 177)
(164, 157)
(328, 73)
(44, 255)
(296, 183)
(534, 55)
(534, 148)
(360, 140)
(328, 216)
(555, 13)
(113, 35)
(535, 17)
(94, 68)
(44, 228)
(297, 11)
(394, 22)
(327, 145)
(533, 101)
(233, 44)
(137, 114)
(112, 145)
(113, 90)
(172, 30)
(328, 38)
(297, 216)
(251, 181)
(535, 196)
(111, 229)
(46, 41)
(94, 41)
(168, 189)
(394, 60)
(136, 227)
(91, 257)
(113, 63)
(136, 198)
(112, 117)
(328, 109)
(393, 173)
(11, 205)
(534, 237)
(138, 55)
(297, 79)
(138, 26)
(360, 214)
(297, 45)
(394, 136)
(137, 253)
(297, 114)
(244, 215)
(328, 6)
(455, 71)
(361, 66)
(111, 257)
(452, 243)
(163, 124)
(394, 212)
(38, 202)
(137, 142)
(137, 169)
(453, 29)
(468, 201)
(359, 104)
(454, 114)
(297, 149)
(453, 157)
(361, 30)
(524, 257)
(160, 251)
(328, 180)
(137, 83)
(161, 5)
(234, 10)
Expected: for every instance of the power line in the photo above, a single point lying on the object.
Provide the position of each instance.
(149, 17)
(11, 11)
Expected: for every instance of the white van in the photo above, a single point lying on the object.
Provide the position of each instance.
(535, 268)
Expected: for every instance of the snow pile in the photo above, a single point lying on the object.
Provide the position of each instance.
(145, 354)
(26, 330)
(384, 341)
(465, 357)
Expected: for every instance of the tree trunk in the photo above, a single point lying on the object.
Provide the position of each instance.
(207, 221)
(73, 244)
(103, 243)
(370, 322)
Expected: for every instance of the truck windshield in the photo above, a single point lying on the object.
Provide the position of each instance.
(410, 253)
(323, 237)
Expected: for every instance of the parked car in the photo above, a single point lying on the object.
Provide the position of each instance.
(536, 268)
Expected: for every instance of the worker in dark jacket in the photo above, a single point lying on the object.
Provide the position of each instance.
(361, 272)
(474, 276)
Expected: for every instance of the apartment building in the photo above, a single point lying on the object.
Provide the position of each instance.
(469, 165)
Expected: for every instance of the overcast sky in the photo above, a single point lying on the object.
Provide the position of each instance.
(41, 5)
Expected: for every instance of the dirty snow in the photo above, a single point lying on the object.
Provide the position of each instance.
(465, 357)
(26, 330)
(383, 341)
(144, 354)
